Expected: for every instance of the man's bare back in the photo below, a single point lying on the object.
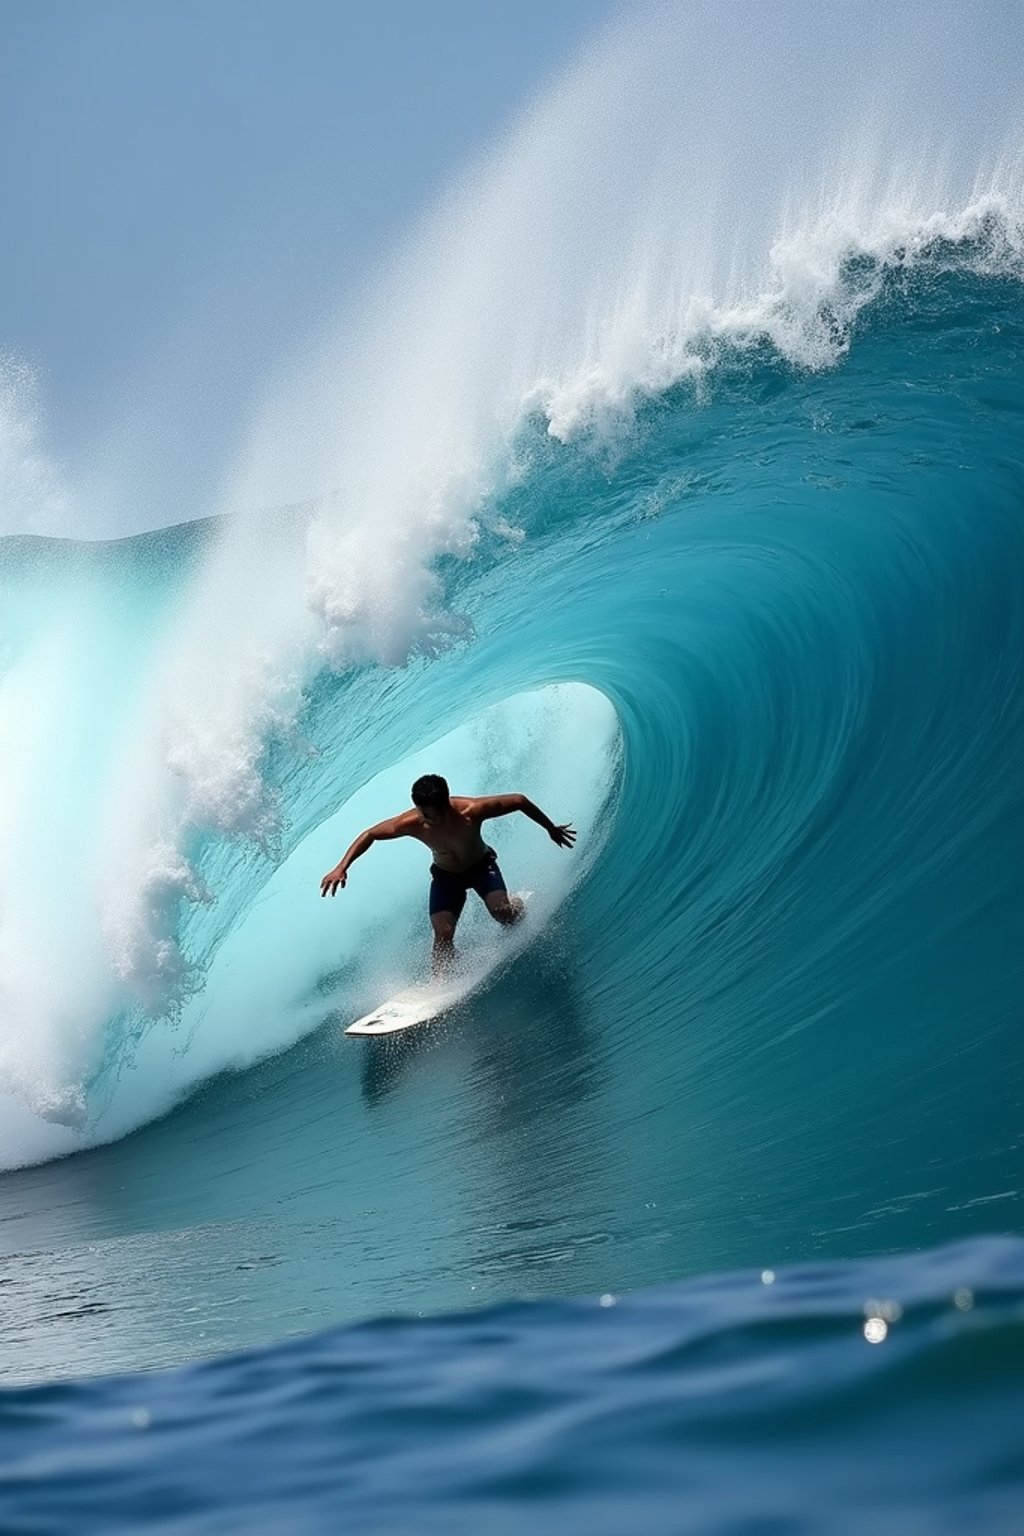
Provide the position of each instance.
(450, 827)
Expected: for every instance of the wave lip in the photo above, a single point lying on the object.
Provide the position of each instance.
(821, 279)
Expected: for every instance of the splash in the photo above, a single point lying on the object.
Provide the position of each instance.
(34, 497)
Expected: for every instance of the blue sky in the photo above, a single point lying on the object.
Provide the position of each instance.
(187, 187)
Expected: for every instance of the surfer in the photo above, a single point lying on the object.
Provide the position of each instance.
(450, 827)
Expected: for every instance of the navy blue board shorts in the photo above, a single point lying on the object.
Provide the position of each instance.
(448, 890)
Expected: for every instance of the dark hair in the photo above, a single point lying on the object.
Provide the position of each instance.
(431, 791)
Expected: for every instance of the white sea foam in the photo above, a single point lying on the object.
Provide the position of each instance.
(53, 986)
(817, 286)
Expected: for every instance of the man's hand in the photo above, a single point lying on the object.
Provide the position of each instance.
(563, 836)
(334, 881)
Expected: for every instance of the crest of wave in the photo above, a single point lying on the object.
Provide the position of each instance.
(701, 176)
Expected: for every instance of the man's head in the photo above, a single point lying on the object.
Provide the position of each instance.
(430, 796)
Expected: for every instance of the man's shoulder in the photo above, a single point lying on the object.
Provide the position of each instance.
(406, 821)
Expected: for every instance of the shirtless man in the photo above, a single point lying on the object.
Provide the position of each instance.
(462, 860)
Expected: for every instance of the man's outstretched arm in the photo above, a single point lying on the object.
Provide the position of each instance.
(487, 806)
(335, 879)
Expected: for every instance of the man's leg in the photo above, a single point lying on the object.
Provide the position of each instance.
(504, 908)
(490, 885)
(443, 924)
(447, 899)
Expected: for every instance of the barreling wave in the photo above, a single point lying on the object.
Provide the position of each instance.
(672, 470)
(807, 648)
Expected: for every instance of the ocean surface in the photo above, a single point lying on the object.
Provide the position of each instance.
(699, 1210)
(808, 1400)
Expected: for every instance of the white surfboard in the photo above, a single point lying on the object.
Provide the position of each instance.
(419, 1005)
(403, 1011)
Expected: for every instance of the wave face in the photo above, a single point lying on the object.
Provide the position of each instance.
(713, 547)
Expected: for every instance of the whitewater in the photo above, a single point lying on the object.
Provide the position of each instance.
(671, 473)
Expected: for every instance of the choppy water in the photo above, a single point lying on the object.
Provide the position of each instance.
(882, 1396)
(736, 583)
